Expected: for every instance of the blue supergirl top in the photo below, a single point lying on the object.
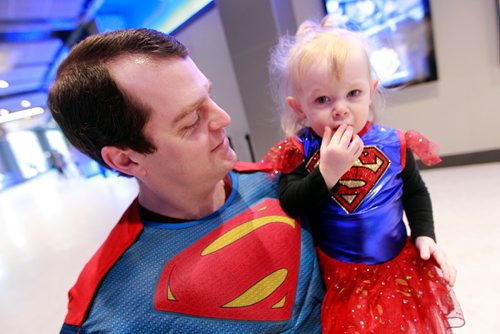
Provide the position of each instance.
(362, 222)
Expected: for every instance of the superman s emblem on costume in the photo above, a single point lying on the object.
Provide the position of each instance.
(357, 182)
(244, 270)
(361, 178)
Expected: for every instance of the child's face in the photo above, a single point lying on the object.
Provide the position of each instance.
(325, 100)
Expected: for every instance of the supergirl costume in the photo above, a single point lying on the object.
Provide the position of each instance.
(375, 280)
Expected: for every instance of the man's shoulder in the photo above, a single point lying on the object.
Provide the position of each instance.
(120, 238)
(252, 182)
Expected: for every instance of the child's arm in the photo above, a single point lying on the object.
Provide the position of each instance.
(301, 191)
(429, 248)
(416, 200)
(418, 209)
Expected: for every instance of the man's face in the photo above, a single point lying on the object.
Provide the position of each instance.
(186, 126)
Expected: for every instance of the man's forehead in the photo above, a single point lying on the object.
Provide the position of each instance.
(172, 87)
(130, 64)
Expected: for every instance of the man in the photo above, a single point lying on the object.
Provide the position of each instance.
(205, 247)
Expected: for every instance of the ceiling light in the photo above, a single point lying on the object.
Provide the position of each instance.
(332, 6)
(21, 114)
(4, 84)
(25, 104)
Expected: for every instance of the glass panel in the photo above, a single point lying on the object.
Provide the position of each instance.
(28, 153)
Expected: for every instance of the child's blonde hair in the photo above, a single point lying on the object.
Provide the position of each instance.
(321, 44)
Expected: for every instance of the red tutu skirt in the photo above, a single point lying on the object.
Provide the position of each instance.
(404, 295)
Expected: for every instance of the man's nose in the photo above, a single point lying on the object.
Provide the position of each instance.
(219, 118)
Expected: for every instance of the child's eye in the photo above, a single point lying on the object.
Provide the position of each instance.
(353, 93)
(322, 99)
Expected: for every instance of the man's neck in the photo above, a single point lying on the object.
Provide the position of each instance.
(189, 205)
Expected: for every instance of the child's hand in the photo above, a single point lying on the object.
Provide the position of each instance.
(427, 248)
(338, 153)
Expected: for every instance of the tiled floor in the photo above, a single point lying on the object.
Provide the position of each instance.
(50, 226)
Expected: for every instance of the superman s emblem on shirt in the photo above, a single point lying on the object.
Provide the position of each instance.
(246, 269)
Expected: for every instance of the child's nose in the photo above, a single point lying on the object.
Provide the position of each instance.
(340, 109)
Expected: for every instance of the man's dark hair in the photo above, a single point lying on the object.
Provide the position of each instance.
(90, 108)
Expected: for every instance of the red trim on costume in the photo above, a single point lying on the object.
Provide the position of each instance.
(402, 140)
(365, 129)
(245, 166)
(283, 157)
(424, 149)
(118, 241)
(313, 161)
(298, 144)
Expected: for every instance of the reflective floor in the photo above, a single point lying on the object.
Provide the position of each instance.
(49, 227)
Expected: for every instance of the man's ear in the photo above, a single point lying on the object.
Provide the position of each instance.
(294, 104)
(122, 160)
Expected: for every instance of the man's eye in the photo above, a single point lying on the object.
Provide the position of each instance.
(192, 125)
(322, 99)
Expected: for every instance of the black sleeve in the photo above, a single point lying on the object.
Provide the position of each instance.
(301, 192)
(416, 200)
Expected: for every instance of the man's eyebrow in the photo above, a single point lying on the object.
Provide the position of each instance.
(188, 110)
(192, 107)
